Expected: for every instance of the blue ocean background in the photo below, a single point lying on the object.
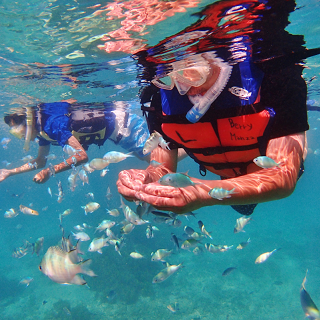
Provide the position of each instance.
(37, 37)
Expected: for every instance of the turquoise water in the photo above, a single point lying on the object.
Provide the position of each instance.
(38, 35)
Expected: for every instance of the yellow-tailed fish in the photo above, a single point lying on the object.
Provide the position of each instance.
(83, 177)
(241, 223)
(214, 248)
(26, 210)
(263, 257)
(113, 212)
(166, 273)
(220, 193)
(37, 246)
(127, 228)
(58, 266)
(88, 168)
(105, 224)
(26, 281)
(131, 216)
(82, 236)
(190, 243)
(308, 306)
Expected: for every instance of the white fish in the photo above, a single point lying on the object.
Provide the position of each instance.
(105, 224)
(88, 168)
(131, 216)
(161, 254)
(104, 172)
(70, 151)
(4, 142)
(90, 207)
(241, 223)
(108, 194)
(151, 143)
(166, 273)
(59, 267)
(136, 255)
(72, 179)
(263, 257)
(220, 193)
(164, 144)
(51, 156)
(82, 236)
(266, 162)
(98, 164)
(83, 177)
(90, 195)
(78, 228)
(27, 158)
(50, 192)
(113, 212)
(97, 244)
(115, 157)
(11, 213)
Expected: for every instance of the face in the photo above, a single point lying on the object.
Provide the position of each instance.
(211, 80)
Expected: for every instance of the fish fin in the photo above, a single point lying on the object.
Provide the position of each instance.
(78, 280)
(85, 268)
(99, 251)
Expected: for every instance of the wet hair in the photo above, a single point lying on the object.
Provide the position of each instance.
(14, 117)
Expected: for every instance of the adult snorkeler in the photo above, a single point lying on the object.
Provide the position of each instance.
(77, 126)
(227, 89)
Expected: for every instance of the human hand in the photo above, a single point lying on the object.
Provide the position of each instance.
(4, 174)
(42, 176)
(167, 198)
(131, 179)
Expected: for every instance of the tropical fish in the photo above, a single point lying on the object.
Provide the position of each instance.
(115, 156)
(155, 164)
(83, 177)
(26, 210)
(49, 191)
(136, 255)
(241, 223)
(228, 271)
(90, 207)
(309, 308)
(266, 162)
(90, 195)
(173, 308)
(70, 151)
(108, 194)
(26, 281)
(104, 172)
(177, 180)
(4, 142)
(88, 168)
(131, 216)
(149, 232)
(160, 254)
(189, 243)
(97, 244)
(203, 229)
(220, 193)
(243, 244)
(58, 265)
(175, 240)
(82, 236)
(78, 228)
(37, 246)
(60, 192)
(263, 257)
(214, 248)
(72, 179)
(113, 212)
(151, 143)
(166, 273)
(163, 144)
(127, 228)
(98, 164)
(27, 158)
(20, 252)
(105, 224)
(11, 213)
(51, 156)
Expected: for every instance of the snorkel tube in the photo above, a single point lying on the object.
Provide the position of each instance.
(29, 122)
(201, 103)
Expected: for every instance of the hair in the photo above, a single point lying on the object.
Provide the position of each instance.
(14, 117)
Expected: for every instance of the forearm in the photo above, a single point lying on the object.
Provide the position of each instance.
(75, 160)
(266, 184)
(30, 166)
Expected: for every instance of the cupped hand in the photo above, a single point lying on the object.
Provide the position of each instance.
(129, 180)
(4, 174)
(42, 176)
(167, 198)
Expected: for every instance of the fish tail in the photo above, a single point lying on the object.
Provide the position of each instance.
(85, 268)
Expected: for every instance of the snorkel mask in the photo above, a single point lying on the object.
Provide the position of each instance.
(24, 130)
(194, 73)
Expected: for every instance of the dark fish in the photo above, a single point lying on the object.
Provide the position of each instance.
(309, 307)
(188, 230)
(161, 214)
(175, 241)
(228, 271)
(44, 302)
(111, 295)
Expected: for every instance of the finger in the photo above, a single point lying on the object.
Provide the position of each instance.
(164, 203)
(126, 192)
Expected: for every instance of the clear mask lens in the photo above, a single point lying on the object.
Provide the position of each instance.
(18, 131)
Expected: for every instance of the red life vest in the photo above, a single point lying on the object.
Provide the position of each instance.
(225, 146)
